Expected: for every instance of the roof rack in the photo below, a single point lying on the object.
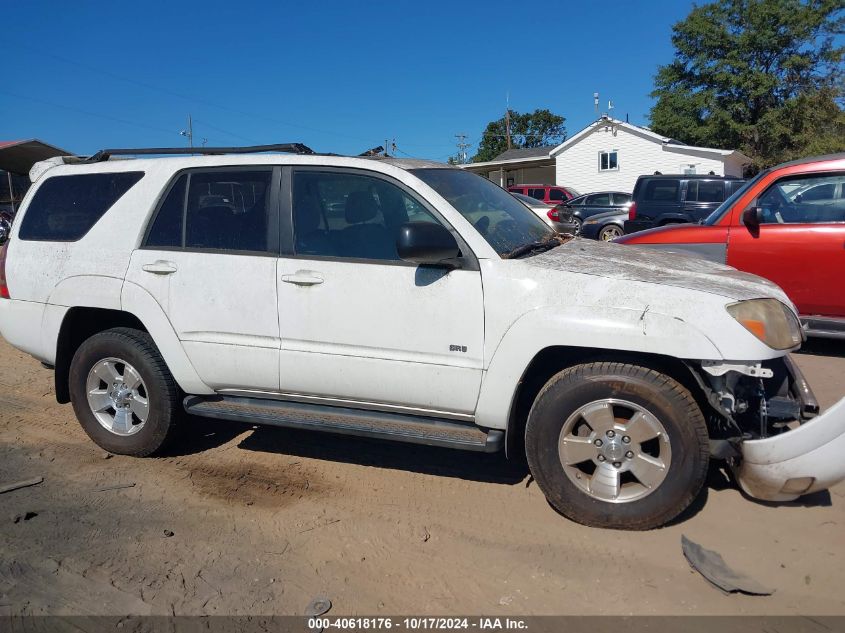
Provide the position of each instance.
(292, 148)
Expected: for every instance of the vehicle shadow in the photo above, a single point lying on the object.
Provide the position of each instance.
(823, 347)
(202, 434)
(198, 435)
(429, 460)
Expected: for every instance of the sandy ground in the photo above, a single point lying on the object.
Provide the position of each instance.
(263, 520)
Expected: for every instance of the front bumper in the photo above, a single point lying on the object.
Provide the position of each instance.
(798, 462)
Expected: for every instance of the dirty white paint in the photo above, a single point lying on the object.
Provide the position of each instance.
(637, 263)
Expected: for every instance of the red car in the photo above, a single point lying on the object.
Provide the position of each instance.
(550, 194)
(787, 225)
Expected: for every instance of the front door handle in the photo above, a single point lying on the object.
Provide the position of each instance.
(159, 267)
(303, 278)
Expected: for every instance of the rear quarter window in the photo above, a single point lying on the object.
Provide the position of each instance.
(65, 208)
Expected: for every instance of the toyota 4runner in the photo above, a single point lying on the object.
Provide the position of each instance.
(406, 300)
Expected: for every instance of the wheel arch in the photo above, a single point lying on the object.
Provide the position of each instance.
(546, 340)
(143, 313)
(553, 359)
(80, 323)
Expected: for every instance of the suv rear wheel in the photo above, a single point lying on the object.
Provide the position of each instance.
(617, 446)
(122, 392)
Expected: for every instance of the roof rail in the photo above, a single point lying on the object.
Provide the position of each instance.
(293, 148)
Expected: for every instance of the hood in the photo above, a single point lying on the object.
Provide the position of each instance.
(642, 264)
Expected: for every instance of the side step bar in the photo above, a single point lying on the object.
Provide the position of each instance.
(392, 426)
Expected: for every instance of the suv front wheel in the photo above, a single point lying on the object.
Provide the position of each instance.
(616, 445)
(123, 393)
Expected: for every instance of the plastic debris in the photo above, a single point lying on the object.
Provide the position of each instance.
(713, 567)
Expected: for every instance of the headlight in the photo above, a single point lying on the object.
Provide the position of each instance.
(769, 320)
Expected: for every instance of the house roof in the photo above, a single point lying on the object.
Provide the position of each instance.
(644, 132)
(524, 152)
(18, 157)
(525, 155)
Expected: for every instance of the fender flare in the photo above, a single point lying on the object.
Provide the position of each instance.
(592, 327)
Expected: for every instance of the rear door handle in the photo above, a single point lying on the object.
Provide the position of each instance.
(303, 278)
(159, 268)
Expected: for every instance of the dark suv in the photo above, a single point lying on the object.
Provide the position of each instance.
(678, 198)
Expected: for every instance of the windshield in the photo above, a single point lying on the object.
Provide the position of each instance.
(505, 222)
(723, 208)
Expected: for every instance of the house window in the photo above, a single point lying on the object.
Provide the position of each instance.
(608, 161)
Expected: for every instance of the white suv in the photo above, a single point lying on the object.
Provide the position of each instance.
(410, 301)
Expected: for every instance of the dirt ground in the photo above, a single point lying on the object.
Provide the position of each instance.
(246, 520)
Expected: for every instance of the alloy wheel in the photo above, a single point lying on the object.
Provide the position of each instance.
(614, 450)
(117, 396)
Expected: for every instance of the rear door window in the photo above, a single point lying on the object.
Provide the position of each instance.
(221, 210)
(661, 190)
(539, 194)
(598, 200)
(621, 198)
(66, 207)
(734, 186)
(705, 191)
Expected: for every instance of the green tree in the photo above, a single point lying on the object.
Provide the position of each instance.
(531, 129)
(761, 76)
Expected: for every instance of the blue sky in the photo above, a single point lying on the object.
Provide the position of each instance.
(337, 76)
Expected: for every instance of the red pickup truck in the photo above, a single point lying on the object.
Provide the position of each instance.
(787, 225)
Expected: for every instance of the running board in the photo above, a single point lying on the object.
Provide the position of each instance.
(391, 426)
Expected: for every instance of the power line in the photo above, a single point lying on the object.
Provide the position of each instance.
(99, 115)
(177, 94)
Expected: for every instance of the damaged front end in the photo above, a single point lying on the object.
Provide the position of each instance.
(767, 426)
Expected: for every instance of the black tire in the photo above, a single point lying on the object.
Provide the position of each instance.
(673, 406)
(578, 224)
(164, 396)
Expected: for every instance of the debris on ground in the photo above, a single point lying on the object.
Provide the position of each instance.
(107, 455)
(21, 484)
(169, 533)
(26, 516)
(114, 487)
(318, 606)
(713, 567)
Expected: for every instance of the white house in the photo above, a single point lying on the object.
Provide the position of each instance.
(608, 155)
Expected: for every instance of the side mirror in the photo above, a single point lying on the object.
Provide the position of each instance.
(427, 244)
(752, 217)
(5, 230)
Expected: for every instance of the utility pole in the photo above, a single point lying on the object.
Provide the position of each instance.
(389, 147)
(508, 118)
(189, 133)
(462, 148)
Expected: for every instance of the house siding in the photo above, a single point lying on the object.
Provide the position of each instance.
(578, 165)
